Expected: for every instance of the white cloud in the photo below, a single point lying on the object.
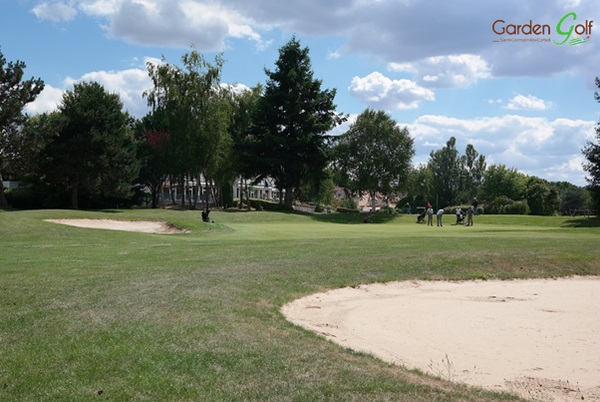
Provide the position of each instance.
(529, 102)
(100, 7)
(453, 71)
(401, 32)
(379, 91)
(47, 101)
(129, 84)
(402, 67)
(55, 12)
(175, 24)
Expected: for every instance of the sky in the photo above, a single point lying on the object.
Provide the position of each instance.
(514, 78)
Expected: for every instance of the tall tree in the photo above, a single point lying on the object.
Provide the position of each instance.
(189, 99)
(14, 95)
(445, 174)
(473, 166)
(26, 144)
(243, 160)
(374, 155)
(501, 181)
(542, 197)
(294, 116)
(153, 147)
(94, 152)
(591, 151)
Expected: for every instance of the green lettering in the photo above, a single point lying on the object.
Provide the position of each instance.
(559, 30)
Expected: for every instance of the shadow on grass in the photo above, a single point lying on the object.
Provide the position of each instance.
(352, 218)
(589, 222)
(105, 211)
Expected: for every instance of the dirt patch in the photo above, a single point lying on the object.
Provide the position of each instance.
(128, 226)
(535, 338)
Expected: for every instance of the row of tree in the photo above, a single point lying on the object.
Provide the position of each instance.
(451, 179)
(90, 151)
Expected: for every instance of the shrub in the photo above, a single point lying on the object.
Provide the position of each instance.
(388, 210)
(504, 205)
(265, 205)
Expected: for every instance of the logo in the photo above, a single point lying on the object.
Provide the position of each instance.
(568, 30)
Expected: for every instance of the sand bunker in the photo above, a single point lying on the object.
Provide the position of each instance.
(536, 338)
(128, 226)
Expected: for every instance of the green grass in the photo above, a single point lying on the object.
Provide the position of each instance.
(95, 314)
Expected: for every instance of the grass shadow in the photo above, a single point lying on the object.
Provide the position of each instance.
(352, 218)
(583, 222)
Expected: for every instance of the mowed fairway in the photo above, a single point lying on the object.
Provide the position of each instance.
(91, 314)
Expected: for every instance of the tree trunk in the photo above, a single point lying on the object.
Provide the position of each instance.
(3, 201)
(75, 197)
(289, 198)
(373, 201)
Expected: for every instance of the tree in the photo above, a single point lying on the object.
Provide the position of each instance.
(572, 197)
(26, 144)
(153, 147)
(418, 191)
(445, 174)
(591, 151)
(190, 101)
(542, 198)
(374, 155)
(94, 152)
(14, 95)
(293, 118)
(499, 181)
(473, 167)
(243, 160)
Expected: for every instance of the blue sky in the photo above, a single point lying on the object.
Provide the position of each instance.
(437, 67)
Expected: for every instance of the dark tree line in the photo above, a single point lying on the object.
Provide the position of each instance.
(90, 149)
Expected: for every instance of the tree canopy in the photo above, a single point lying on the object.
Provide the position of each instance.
(374, 156)
(293, 118)
(189, 103)
(14, 95)
(94, 151)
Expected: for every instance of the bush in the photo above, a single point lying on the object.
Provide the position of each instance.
(318, 207)
(504, 205)
(264, 205)
(348, 203)
(388, 210)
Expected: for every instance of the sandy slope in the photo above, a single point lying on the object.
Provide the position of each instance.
(536, 338)
(129, 226)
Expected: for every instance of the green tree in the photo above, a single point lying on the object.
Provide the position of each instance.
(445, 174)
(14, 95)
(498, 181)
(153, 154)
(94, 152)
(243, 160)
(542, 197)
(293, 119)
(374, 155)
(591, 151)
(572, 197)
(419, 189)
(190, 102)
(27, 142)
(473, 167)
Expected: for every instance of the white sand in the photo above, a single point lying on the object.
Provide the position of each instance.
(129, 226)
(539, 339)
